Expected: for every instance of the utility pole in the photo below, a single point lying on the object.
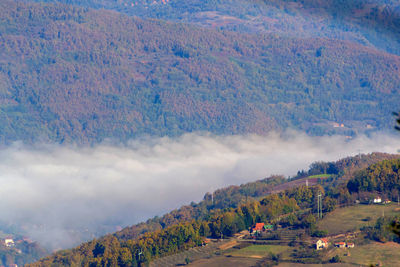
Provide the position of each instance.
(306, 182)
(140, 253)
(319, 204)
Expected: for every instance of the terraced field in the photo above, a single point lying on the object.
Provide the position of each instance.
(260, 251)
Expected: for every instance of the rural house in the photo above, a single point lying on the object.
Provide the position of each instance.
(321, 243)
(386, 201)
(9, 242)
(377, 200)
(258, 228)
(340, 244)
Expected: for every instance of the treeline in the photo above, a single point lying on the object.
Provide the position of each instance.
(384, 230)
(383, 178)
(346, 167)
(72, 74)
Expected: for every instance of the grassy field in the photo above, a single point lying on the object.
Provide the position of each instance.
(352, 218)
(259, 251)
(385, 254)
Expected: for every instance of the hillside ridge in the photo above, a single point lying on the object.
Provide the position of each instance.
(70, 74)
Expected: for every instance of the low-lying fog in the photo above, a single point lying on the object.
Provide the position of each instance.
(56, 192)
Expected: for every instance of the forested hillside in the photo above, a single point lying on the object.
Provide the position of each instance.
(373, 23)
(294, 207)
(383, 177)
(70, 74)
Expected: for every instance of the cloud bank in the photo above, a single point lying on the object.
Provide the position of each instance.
(62, 194)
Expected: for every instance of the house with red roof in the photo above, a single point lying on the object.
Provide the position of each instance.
(258, 228)
(340, 244)
(321, 243)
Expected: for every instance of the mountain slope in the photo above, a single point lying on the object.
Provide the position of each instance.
(70, 74)
(374, 23)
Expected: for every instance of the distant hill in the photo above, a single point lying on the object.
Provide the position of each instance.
(70, 74)
(374, 23)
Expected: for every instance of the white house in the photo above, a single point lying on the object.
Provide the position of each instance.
(378, 200)
(9, 242)
(321, 243)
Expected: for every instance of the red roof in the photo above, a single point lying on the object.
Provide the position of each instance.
(324, 240)
(259, 226)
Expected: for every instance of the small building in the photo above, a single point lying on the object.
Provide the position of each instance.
(377, 200)
(9, 242)
(268, 227)
(340, 244)
(386, 201)
(321, 244)
(350, 245)
(259, 227)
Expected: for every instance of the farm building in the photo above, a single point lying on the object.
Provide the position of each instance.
(340, 244)
(268, 227)
(259, 227)
(321, 243)
(9, 242)
(377, 200)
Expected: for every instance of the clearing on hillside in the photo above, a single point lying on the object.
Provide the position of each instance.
(353, 218)
(384, 254)
(259, 251)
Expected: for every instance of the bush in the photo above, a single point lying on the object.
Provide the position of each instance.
(319, 233)
(335, 259)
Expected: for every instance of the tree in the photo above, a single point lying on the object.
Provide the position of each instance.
(396, 224)
(397, 127)
(329, 204)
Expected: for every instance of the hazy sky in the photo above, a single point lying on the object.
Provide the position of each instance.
(54, 189)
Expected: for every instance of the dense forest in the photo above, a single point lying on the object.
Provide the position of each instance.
(291, 207)
(383, 177)
(72, 74)
(373, 22)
